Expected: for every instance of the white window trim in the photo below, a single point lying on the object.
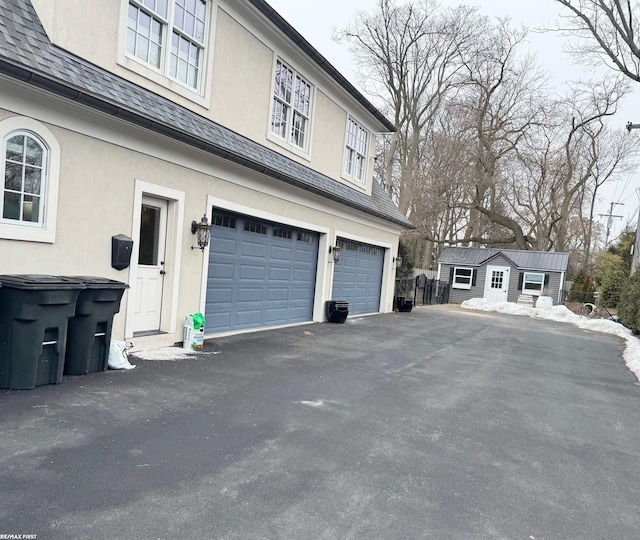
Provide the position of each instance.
(161, 76)
(455, 284)
(524, 281)
(284, 142)
(28, 231)
(362, 182)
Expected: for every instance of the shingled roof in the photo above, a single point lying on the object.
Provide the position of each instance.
(27, 55)
(523, 260)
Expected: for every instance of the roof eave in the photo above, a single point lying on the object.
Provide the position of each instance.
(66, 91)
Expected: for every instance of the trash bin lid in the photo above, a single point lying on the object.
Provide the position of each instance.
(39, 282)
(96, 282)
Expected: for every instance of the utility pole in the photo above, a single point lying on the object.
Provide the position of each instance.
(636, 246)
(610, 217)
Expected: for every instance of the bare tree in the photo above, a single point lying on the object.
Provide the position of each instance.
(564, 162)
(609, 30)
(484, 153)
(501, 104)
(409, 56)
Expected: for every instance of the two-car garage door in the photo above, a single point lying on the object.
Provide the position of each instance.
(260, 274)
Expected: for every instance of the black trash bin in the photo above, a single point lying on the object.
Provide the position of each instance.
(337, 311)
(34, 315)
(404, 304)
(89, 335)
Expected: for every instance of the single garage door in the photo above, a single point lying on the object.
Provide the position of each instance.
(260, 274)
(357, 276)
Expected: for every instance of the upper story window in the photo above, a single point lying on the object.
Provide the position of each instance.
(29, 190)
(169, 35)
(291, 114)
(355, 154)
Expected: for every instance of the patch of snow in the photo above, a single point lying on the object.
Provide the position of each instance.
(164, 353)
(317, 403)
(562, 314)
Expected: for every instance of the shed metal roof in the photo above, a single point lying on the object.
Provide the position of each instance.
(27, 55)
(550, 261)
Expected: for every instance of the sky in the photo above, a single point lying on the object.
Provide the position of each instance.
(316, 20)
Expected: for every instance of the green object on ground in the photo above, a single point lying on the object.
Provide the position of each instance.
(198, 320)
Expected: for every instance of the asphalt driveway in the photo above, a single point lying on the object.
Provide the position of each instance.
(441, 424)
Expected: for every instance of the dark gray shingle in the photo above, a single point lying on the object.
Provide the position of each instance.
(41, 64)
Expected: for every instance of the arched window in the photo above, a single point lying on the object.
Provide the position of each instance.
(29, 178)
(25, 179)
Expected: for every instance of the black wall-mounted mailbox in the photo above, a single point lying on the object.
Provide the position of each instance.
(121, 247)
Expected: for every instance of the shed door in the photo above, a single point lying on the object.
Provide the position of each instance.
(357, 276)
(496, 285)
(260, 274)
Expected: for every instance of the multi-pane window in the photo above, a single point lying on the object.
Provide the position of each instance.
(283, 233)
(24, 165)
(497, 279)
(169, 35)
(462, 278)
(355, 154)
(255, 227)
(533, 283)
(220, 220)
(290, 117)
(305, 237)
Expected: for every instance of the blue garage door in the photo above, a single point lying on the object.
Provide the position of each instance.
(357, 276)
(260, 274)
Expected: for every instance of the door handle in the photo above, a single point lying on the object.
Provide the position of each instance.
(162, 271)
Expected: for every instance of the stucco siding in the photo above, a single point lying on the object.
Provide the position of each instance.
(237, 76)
(102, 160)
(241, 82)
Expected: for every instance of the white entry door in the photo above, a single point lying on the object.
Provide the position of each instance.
(149, 283)
(496, 284)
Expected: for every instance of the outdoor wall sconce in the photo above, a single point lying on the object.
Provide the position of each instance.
(203, 230)
(335, 252)
(398, 260)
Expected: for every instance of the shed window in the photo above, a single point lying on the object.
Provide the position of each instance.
(532, 283)
(462, 278)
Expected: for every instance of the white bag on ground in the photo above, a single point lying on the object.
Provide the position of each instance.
(118, 355)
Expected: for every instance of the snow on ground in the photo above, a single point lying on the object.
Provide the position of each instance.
(171, 354)
(164, 353)
(562, 314)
